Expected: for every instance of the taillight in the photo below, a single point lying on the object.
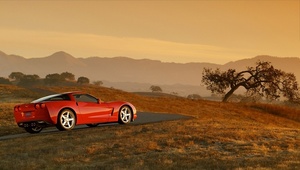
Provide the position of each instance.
(37, 106)
(43, 105)
(40, 106)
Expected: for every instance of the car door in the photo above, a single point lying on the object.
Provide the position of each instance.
(91, 110)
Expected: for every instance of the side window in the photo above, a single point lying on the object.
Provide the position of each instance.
(85, 98)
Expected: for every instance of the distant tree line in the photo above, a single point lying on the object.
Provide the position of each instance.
(21, 79)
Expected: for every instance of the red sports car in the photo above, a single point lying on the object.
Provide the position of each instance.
(69, 109)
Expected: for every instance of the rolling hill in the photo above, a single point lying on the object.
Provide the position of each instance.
(132, 74)
(218, 136)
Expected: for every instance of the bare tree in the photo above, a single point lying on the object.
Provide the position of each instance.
(263, 79)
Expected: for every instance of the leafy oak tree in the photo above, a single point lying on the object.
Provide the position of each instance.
(194, 97)
(4, 80)
(263, 79)
(16, 76)
(83, 80)
(29, 80)
(53, 79)
(98, 83)
(68, 76)
(154, 88)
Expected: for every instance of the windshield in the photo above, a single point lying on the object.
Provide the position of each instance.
(46, 98)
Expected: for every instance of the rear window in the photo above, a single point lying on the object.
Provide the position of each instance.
(54, 97)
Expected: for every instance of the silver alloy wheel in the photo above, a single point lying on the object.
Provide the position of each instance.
(33, 129)
(67, 119)
(37, 129)
(125, 115)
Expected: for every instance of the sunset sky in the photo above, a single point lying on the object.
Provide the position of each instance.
(170, 31)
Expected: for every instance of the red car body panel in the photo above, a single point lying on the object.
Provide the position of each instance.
(28, 113)
(47, 112)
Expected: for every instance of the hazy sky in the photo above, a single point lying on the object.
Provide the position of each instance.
(170, 31)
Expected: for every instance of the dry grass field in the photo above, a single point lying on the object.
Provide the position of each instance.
(219, 136)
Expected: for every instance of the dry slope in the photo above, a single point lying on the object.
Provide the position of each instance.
(221, 136)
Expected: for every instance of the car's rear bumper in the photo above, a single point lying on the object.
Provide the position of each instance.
(36, 117)
(39, 123)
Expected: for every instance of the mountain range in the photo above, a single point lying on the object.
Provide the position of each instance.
(134, 74)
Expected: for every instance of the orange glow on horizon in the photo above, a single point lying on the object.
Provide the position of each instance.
(171, 31)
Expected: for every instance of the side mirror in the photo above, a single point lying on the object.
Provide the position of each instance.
(99, 101)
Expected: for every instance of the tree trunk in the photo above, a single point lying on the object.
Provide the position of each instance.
(228, 94)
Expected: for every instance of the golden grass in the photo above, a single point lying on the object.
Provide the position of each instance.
(16, 94)
(280, 110)
(220, 136)
(7, 120)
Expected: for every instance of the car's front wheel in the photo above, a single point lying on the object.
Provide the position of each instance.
(66, 120)
(125, 115)
(33, 129)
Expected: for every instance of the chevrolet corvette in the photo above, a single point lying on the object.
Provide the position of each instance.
(68, 109)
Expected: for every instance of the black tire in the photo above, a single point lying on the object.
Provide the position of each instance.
(92, 125)
(66, 120)
(33, 130)
(125, 115)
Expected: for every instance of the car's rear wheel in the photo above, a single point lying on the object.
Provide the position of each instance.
(66, 120)
(33, 129)
(125, 115)
(92, 125)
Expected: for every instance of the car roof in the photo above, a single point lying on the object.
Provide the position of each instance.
(74, 92)
(57, 94)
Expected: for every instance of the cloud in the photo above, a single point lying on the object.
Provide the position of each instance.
(41, 43)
